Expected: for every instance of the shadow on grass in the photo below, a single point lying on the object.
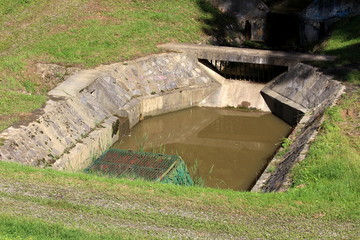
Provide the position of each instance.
(344, 43)
(347, 65)
(222, 28)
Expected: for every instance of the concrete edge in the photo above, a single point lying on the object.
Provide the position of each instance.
(246, 54)
(288, 178)
(74, 84)
(211, 73)
(141, 107)
(267, 173)
(90, 148)
(283, 99)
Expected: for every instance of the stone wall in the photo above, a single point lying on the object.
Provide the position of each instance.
(251, 16)
(81, 117)
(318, 18)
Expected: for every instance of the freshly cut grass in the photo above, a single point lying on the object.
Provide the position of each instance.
(31, 228)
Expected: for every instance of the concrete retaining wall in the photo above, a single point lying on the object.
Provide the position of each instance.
(235, 93)
(81, 119)
(300, 98)
(290, 95)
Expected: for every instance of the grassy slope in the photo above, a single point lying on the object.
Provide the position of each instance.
(83, 33)
(43, 204)
(344, 43)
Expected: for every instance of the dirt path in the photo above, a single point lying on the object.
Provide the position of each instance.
(91, 207)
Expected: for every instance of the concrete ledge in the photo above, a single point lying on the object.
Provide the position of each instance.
(73, 85)
(245, 55)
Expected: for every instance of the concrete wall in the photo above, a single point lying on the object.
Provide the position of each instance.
(300, 98)
(81, 118)
(290, 95)
(235, 93)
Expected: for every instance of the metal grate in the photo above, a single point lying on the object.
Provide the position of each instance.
(127, 163)
(247, 71)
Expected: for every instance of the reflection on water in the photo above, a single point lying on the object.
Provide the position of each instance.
(230, 147)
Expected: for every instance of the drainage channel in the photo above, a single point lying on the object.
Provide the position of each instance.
(81, 119)
(222, 148)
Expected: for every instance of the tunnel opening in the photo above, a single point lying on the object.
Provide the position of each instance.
(284, 37)
(260, 73)
(247, 31)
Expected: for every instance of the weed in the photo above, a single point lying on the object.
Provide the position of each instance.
(271, 169)
(353, 77)
(29, 86)
(258, 45)
(68, 149)
(99, 125)
(195, 174)
(141, 143)
(285, 147)
(59, 75)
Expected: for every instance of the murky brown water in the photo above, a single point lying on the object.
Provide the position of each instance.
(230, 147)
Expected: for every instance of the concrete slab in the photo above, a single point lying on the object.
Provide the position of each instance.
(245, 55)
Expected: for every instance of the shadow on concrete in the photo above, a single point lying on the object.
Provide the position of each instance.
(222, 29)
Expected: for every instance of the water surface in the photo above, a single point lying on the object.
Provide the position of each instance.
(229, 148)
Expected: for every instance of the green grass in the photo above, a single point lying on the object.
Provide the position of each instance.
(84, 33)
(353, 77)
(13, 102)
(331, 170)
(344, 43)
(32, 228)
